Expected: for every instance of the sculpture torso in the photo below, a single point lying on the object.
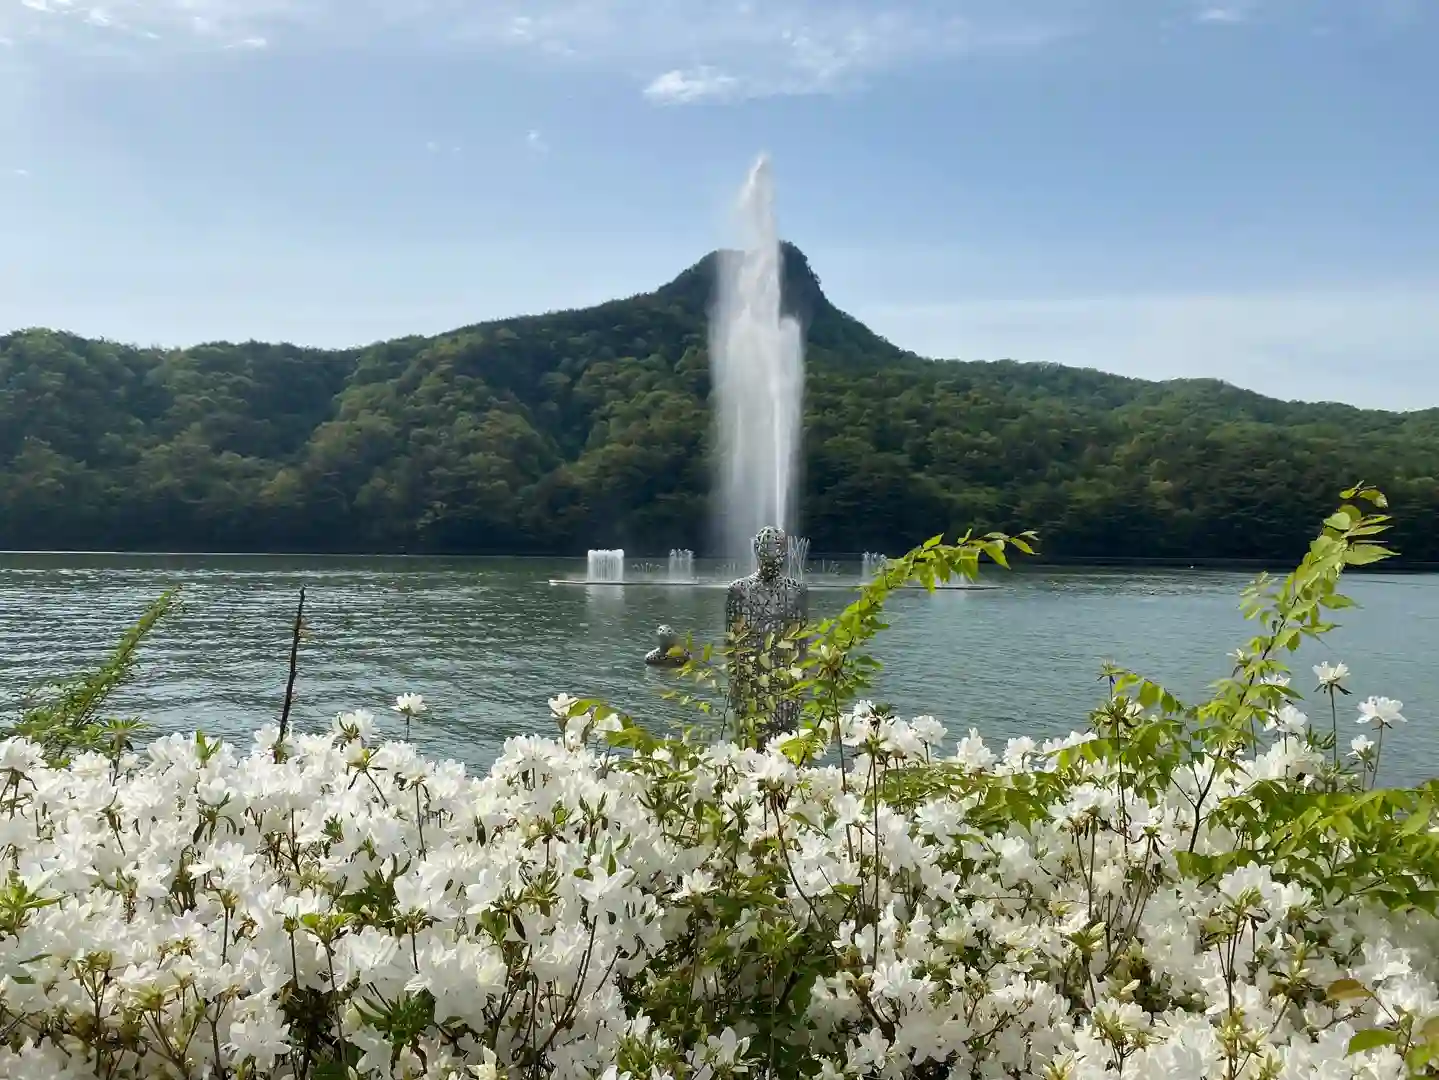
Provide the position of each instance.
(766, 607)
(756, 607)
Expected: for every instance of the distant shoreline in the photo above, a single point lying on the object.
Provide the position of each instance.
(1038, 563)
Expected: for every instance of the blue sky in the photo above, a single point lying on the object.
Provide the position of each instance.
(1245, 189)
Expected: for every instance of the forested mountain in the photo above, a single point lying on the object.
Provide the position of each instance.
(590, 428)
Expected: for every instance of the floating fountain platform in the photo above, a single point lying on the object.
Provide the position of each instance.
(810, 583)
(607, 568)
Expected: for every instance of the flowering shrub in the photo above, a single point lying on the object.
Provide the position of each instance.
(1215, 890)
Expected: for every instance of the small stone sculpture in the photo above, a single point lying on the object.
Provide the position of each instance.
(763, 604)
(668, 652)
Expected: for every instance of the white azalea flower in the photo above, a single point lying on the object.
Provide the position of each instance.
(409, 704)
(1382, 712)
(561, 705)
(604, 911)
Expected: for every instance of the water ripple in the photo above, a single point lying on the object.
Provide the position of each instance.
(487, 642)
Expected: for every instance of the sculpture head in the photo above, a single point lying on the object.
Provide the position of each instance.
(770, 549)
(666, 638)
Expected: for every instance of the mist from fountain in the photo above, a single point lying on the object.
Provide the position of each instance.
(870, 564)
(605, 565)
(757, 363)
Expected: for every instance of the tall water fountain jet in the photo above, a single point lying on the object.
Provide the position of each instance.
(757, 361)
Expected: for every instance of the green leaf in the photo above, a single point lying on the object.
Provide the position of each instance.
(1419, 818)
(1372, 1039)
(1364, 554)
(1417, 1058)
(1348, 990)
(1340, 521)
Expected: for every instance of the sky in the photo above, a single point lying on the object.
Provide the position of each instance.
(1238, 189)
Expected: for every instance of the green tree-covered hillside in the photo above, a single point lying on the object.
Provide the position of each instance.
(588, 428)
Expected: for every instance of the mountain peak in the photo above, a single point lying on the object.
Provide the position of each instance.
(824, 324)
(803, 298)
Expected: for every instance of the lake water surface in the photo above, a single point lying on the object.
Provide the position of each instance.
(487, 642)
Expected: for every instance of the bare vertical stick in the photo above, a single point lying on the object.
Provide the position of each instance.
(294, 670)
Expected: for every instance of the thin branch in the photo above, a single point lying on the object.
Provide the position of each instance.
(294, 670)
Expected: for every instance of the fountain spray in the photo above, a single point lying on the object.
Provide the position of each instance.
(757, 362)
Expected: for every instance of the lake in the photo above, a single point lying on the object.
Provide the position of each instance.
(488, 641)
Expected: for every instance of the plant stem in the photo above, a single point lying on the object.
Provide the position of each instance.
(294, 670)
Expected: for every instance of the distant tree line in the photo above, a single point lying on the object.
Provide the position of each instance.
(591, 428)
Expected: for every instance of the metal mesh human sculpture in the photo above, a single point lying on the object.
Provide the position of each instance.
(762, 608)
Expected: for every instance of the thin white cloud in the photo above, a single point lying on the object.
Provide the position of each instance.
(536, 143)
(682, 50)
(1310, 344)
(21, 173)
(85, 26)
(675, 51)
(792, 47)
(1222, 15)
(681, 87)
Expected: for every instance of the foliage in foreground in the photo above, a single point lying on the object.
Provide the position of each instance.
(69, 717)
(1208, 890)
